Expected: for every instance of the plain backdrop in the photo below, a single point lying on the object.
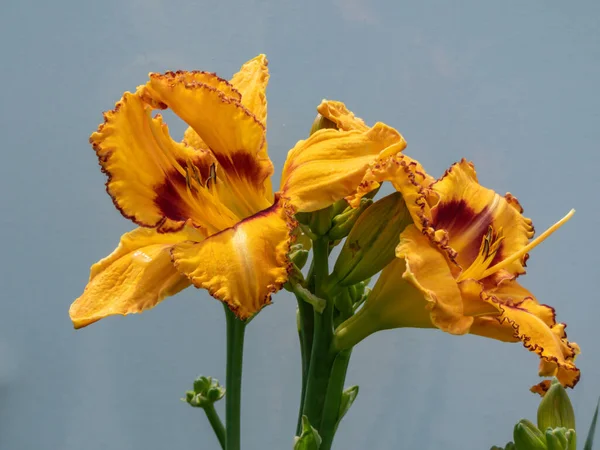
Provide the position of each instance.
(512, 86)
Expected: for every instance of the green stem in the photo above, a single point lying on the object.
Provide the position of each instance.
(322, 357)
(215, 423)
(333, 399)
(233, 393)
(305, 323)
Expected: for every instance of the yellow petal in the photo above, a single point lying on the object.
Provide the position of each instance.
(135, 277)
(223, 123)
(534, 324)
(330, 164)
(251, 81)
(231, 132)
(190, 137)
(466, 211)
(428, 270)
(407, 176)
(343, 118)
(243, 265)
(147, 179)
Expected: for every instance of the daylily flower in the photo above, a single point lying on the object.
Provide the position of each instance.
(456, 267)
(205, 206)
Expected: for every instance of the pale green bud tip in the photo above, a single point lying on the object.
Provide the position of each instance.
(528, 436)
(560, 439)
(321, 123)
(555, 409)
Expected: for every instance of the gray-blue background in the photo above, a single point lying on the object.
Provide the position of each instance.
(511, 85)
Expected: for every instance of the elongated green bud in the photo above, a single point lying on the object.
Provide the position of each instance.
(555, 409)
(371, 244)
(527, 436)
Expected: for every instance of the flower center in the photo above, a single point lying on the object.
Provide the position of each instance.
(537, 241)
(489, 246)
(487, 250)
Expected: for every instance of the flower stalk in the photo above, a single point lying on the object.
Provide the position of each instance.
(235, 354)
(215, 423)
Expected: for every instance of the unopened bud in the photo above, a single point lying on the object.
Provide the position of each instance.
(299, 258)
(560, 439)
(527, 436)
(343, 223)
(555, 409)
(321, 123)
(371, 244)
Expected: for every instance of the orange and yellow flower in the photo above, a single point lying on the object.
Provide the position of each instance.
(456, 267)
(205, 206)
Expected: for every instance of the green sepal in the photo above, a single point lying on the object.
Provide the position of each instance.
(528, 437)
(309, 438)
(589, 441)
(555, 409)
(348, 397)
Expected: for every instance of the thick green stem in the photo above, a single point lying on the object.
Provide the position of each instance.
(233, 393)
(331, 410)
(322, 357)
(305, 330)
(215, 423)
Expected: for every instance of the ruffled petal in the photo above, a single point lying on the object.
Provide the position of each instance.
(330, 164)
(231, 132)
(190, 137)
(523, 318)
(137, 276)
(407, 176)
(427, 269)
(251, 81)
(243, 265)
(149, 173)
(343, 118)
(415, 290)
(468, 212)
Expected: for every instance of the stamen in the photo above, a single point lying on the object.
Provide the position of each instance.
(212, 176)
(537, 241)
(487, 250)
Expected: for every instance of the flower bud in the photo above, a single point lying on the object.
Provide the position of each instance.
(299, 257)
(321, 123)
(206, 391)
(371, 244)
(343, 223)
(555, 409)
(560, 439)
(527, 436)
(309, 438)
